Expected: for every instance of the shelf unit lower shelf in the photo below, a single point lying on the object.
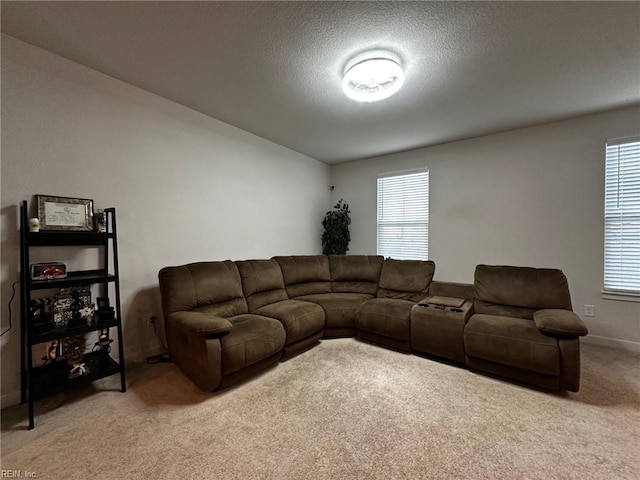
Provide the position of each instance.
(54, 378)
(63, 332)
(74, 279)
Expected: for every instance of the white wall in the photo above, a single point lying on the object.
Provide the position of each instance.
(529, 197)
(186, 187)
(190, 188)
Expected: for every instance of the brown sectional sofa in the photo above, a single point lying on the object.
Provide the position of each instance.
(228, 320)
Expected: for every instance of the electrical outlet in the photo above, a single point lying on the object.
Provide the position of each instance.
(589, 311)
(152, 318)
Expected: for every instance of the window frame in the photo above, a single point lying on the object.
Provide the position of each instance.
(613, 285)
(424, 221)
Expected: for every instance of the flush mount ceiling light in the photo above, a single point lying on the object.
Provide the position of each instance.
(373, 78)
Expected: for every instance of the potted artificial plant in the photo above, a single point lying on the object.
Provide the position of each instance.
(336, 236)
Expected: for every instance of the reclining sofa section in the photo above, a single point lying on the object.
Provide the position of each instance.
(226, 321)
(523, 327)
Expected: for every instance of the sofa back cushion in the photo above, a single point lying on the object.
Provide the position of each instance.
(519, 291)
(355, 273)
(305, 274)
(262, 282)
(212, 287)
(406, 279)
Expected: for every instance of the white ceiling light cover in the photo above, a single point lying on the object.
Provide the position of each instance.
(373, 79)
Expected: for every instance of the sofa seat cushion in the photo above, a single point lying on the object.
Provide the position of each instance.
(300, 319)
(339, 308)
(511, 341)
(252, 338)
(389, 317)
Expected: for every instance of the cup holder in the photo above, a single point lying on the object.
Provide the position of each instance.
(443, 308)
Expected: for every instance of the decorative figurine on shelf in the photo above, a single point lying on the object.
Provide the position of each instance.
(101, 221)
(76, 304)
(76, 320)
(53, 352)
(34, 224)
(54, 363)
(103, 348)
(77, 370)
(104, 342)
(74, 351)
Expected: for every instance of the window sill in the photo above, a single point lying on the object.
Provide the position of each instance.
(621, 296)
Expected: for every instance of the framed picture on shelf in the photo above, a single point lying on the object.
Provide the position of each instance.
(103, 303)
(65, 214)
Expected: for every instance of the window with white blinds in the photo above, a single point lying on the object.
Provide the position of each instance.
(622, 216)
(403, 216)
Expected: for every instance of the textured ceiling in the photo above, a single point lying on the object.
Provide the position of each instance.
(275, 68)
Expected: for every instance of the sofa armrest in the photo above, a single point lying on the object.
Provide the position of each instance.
(559, 323)
(201, 324)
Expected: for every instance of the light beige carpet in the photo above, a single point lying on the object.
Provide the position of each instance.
(342, 410)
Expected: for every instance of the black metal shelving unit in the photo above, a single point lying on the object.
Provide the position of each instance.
(43, 381)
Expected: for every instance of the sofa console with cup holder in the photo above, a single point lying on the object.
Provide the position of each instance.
(437, 326)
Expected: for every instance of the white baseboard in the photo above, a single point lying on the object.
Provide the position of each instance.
(10, 399)
(611, 343)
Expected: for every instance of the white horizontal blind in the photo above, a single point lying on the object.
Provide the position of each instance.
(622, 216)
(403, 216)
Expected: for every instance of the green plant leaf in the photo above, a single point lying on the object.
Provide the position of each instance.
(336, 235)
